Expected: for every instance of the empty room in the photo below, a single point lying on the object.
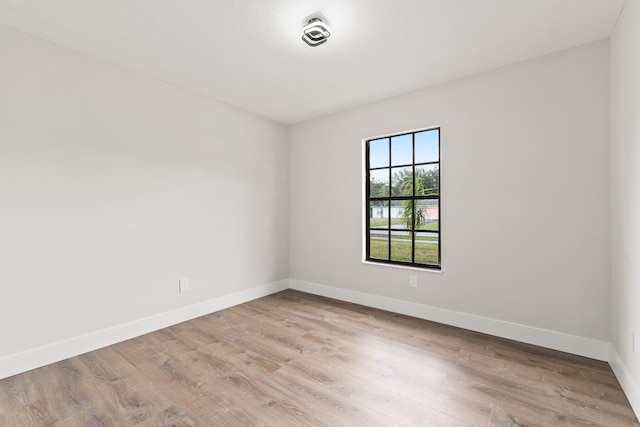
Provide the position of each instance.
(319, 213)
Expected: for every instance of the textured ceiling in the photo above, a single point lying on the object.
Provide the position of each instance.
(248, 53)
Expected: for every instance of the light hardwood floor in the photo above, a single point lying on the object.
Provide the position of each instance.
(293, 359)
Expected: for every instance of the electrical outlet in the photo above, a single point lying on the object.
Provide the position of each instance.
(184, 285)
(633, 340)
(413, 281)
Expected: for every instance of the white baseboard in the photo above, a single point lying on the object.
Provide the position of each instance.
(629, 386)
(34, 358)
(542, 337)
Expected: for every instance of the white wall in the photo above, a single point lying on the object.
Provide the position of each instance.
(528, 142)
(625, 195)
(114, 185)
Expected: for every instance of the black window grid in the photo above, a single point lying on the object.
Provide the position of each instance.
(389, 199)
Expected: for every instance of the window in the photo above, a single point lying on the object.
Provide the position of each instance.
(403, 199)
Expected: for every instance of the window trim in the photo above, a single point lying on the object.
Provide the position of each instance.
(367, 199)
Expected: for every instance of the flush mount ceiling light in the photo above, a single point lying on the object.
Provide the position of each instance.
(315, 32)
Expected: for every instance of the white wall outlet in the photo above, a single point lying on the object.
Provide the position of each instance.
(184, 284)
(633, 340)
(413, 281)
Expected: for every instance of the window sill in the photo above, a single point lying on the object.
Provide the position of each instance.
(404, 267)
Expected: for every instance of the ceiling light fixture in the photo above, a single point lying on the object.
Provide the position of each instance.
(315, 32)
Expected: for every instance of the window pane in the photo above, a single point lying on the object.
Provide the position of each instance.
(378, 215)
(379, 183)
(402, 181)
(400, 211)
(401, 150)
(401, 246)
(427, 248)
(379, 153)
(379, 244)
(427, 180)
(403, 215)
(427, 146)
(428, 215)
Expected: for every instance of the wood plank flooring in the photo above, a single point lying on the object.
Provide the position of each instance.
(293, 359)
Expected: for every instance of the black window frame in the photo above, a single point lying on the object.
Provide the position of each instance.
(414, 198)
